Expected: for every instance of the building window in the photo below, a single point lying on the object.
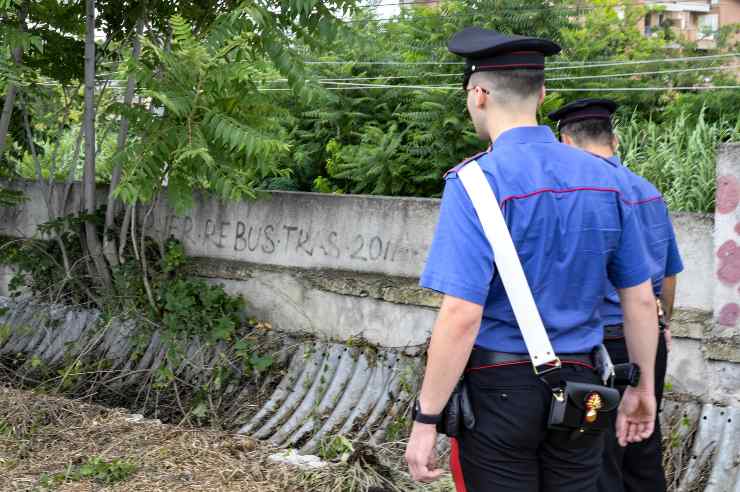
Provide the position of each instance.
(708, 25)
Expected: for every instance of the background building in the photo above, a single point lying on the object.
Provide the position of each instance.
(698, 21)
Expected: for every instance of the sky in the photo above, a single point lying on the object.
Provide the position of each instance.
(384, 10)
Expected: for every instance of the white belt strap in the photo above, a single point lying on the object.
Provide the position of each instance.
(509, 266)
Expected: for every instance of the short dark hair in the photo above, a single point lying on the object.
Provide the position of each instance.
(590, 131)
(521, 83)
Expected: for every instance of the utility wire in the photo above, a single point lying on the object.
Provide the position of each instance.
(642, 62)
(567, 89)
(656, 72)
(581, 77)
(576, 65)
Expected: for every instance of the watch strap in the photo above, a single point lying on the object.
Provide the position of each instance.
(423, 418)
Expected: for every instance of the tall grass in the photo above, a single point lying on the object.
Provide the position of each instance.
(678, 157)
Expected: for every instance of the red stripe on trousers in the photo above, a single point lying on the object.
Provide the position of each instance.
(455, 467)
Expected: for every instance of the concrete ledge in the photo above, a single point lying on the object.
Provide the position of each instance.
(723, 349)
(398, 290)
(691, 323)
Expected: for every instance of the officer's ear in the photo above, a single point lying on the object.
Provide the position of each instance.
(543, 93)
(615, 142)
(567, 139)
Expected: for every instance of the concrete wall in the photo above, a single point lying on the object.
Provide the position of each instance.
(705, 361)
(354, 234)
(346, 267)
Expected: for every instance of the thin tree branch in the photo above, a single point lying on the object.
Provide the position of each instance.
(142, 248)
(123, 235)
(133, 232)
(89, 189)
(109, 245)
(12, 89)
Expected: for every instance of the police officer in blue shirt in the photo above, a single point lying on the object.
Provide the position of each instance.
(587, 124)
(572, 231)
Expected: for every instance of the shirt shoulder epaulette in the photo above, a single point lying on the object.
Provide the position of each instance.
(452, 172)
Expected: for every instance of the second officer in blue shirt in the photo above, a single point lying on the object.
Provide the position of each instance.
(587, 124)
(572, 230)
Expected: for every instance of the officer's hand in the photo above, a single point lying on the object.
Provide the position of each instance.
(668, 339)
(421, 453)
(636, 416)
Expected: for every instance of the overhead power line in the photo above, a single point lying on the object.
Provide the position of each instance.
(654, 72)
(643, 62)
(350, 86)
(581, 77)
(631, 89)
(575, 65)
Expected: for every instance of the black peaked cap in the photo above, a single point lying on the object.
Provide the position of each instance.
(584, 109)
(488, 50)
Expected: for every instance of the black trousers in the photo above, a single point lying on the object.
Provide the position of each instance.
(509, 449)
(637, 467)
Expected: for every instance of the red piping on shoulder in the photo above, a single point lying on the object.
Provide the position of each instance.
(585, 188)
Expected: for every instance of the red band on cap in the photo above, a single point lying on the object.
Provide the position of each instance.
(511, 65)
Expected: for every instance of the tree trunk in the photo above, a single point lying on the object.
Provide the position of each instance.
(7, 113)
(88, 181)
(12, 89)
(109, 244)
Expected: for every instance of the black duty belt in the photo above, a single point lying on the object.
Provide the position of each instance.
(484, 359)
(613, 332)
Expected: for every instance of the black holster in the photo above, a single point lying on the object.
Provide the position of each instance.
(458, 412)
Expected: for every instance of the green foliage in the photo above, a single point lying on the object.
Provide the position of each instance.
(212, 130)
(185, 307)
(108, 472)
(397, 140)
(38, 268)
(252, 361)
(678, 157)
(95, 468)
(336, 447)
(195, 308)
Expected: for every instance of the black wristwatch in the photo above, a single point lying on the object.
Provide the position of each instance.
(422, 418)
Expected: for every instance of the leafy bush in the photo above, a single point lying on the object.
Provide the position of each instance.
(398, 140)
(678, 156)
(185, 307)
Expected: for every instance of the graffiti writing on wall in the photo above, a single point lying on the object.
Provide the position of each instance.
(288, 239)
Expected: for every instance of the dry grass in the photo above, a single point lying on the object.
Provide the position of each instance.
(679, 432)
(44, 436)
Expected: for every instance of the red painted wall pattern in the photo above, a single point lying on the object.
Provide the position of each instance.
(728, 194)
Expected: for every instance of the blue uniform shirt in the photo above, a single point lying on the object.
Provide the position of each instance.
(660, 241)
(572, 228)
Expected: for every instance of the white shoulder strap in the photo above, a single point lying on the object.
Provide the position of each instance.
(508, 265)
